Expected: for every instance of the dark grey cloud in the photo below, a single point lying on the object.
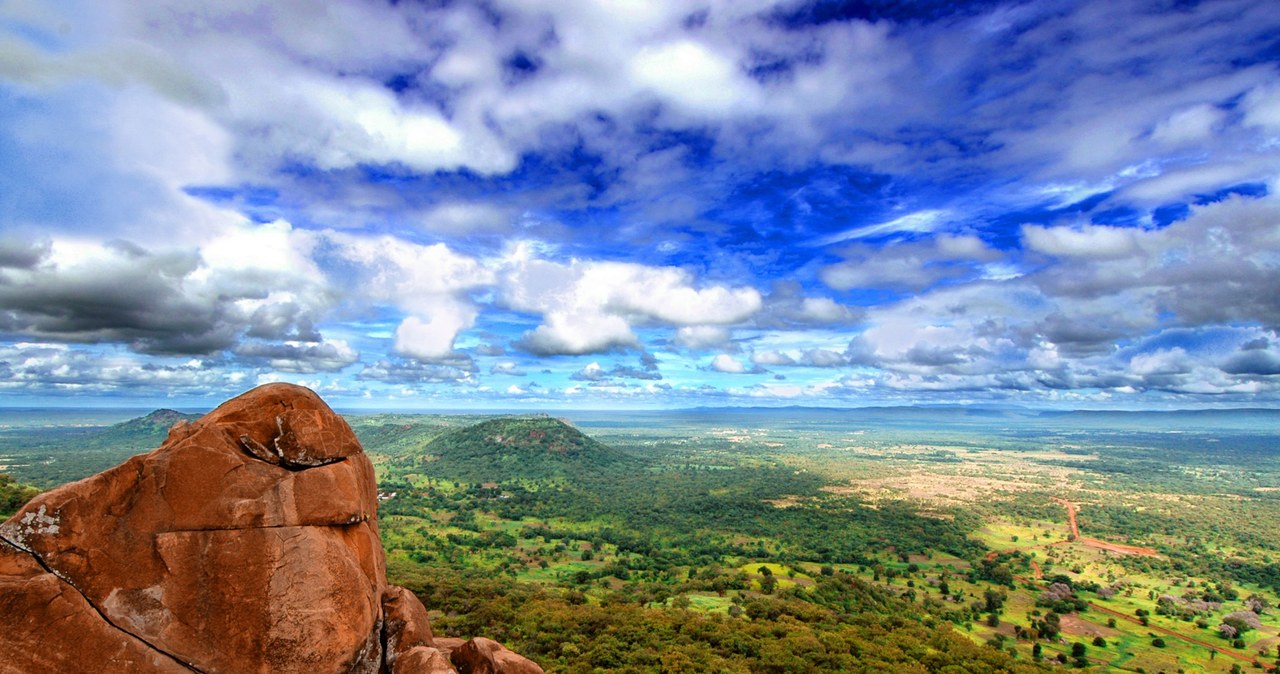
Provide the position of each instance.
(154, 303)
(1253, 362)
(137, 301)
(16, 254)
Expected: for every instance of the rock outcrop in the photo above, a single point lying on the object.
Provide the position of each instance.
(248, 542)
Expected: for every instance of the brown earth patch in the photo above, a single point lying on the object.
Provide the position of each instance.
(1118, 548)
(931, 487)
(1074, 625)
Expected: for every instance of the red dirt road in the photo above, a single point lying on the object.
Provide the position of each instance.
(1071, 516)
(1168, 632)
(1118, 548)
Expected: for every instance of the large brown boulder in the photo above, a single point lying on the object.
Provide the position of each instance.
(247, 542)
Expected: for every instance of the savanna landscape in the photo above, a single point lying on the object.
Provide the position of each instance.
(811, 540)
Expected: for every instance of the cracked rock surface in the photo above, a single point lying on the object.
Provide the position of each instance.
(247, 542)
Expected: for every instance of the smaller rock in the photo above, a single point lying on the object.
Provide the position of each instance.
(422, 660)
(407, 626)
(486, 656)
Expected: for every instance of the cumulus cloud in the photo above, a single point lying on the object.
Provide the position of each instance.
(42, 368)
(771, 358)
(725, 363)
(590, 307)
(787, 306)
(1216, 266)
(822, 358)
(702, 336)
(1090, 241)
(594, 372)
(507, 367)
(693, 76)
(428, 282)
(912, 265)
(1256, 357)
(410, 371)
(591, 372)
(301, 357)
(585, 332)
(176, 302)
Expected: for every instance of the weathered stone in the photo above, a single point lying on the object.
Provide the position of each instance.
(47, 626)
(406, 623)
(220, 558)
(248, 542)
(422, 660)
(486, 656)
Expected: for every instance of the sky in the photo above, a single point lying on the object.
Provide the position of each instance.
(636, 204)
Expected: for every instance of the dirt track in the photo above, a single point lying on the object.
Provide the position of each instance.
(1118, 548)
(1071, 516)
(1177, 635)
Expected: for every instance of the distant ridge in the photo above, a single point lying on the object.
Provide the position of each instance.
(143, 432)
(524, 447)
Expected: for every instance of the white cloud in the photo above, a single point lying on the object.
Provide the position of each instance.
(507, 367)
(468, 218)
(428, 282)
(1096, 241)
(1189, 125)
(1262, 108)
(1161, 362)
(912, 265)
(301, 357)
(41, 368)
(432, 338)
(571, 334)
(591, 372)
(918, 222)
(728, 364)
(771, 358)
(693, 77)
(168, 301)
(589, 307)
(702, 336)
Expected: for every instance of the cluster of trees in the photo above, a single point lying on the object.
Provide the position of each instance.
(13, 495)
(840, 625)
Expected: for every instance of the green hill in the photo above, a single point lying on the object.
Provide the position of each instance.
(139, 435)
(46, 457)
(513, 448)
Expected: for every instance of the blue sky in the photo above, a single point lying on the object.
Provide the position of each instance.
(641, 204)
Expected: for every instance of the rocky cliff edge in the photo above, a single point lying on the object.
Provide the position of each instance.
(248, 542)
